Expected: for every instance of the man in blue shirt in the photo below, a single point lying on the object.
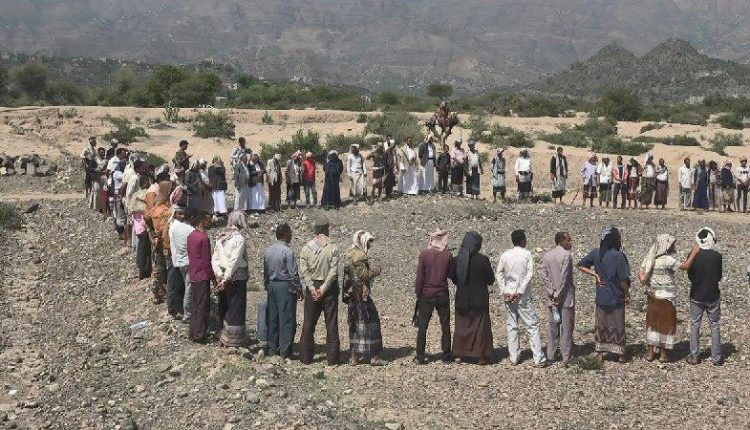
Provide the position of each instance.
(609, 265)
(283, 287)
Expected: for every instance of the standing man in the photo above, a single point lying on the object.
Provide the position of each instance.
(742, 176)
(524, 174)
(444, 169)
(685, 177)
(427, 155)
(179, 231)
(88, 158)
(604, 173)
(557, 274)
(239, 151)
(293, 173)
(705, 274)
(620, 174)
(589, 180)
(319, 265)
(283, 289)
(435, 266)
(112, 151)
(181, 157)
(377, 155)
(558, 171)
(391, 167)
(357, 171)
(514, 272)
(308, 180)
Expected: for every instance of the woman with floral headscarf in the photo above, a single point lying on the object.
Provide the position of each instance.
(609, 266)
(230, 265)
(657, 276)
(474, 274)
(365, 338)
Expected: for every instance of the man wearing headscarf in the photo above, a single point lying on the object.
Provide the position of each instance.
(273, 169)
(427, 156)
(365, 338)
(239, 151)
(557, 276)
(230, 265)
(318, 269)
(742, 176)
(458, 158)
(473, 170)
(356, 169)
(497, 169)
(685, 178)
(657, 276)
(604, 173)
(524, 174)
(435, 266)
(377, 155)
(241, 177)
(514, 272)
(293, 173)
(727, 184)
(609, 266)
(408, 166)
(558, 171)
(391, 167)
(589, 180)
(648, 181)
(474, 275)
(308, 180)
(705, 273)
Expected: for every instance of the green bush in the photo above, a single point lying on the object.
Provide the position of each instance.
(10, 217)
(400, 125)
(32, 79)
(619, 104)
(731, 120)
(342, 142)
(171, 113)
(69, 113)
(210, 124)
(615, 145)
(124, 133)
(598, 127)
(574, 138)
(267, 119)
(515, 138)
(309, 142)
(587, 363)
(479, 129)
(680, 140)
(361, 118)
(651, 126)
(439, 90)
(692, 118)
(721, 141)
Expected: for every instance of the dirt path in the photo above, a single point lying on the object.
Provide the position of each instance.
(27, 197)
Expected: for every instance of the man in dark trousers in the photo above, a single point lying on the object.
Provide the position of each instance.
(436, 265)
(705, 274)
(319, 268)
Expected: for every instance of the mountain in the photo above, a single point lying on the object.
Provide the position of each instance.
(474, 44)
(672, 71)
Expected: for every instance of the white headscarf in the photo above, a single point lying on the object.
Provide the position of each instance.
(361, 240)
(661, 247)
(709, 242)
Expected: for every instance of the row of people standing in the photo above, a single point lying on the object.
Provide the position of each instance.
(705, 186)
(473, 275)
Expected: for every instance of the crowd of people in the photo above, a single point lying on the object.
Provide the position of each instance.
(165, 215)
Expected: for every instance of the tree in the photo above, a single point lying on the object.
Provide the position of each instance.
(198, 89)
(620, 104)
(161, 82)
(388, 98)
(4, 80)
(32, 79)
(439, 90)
(244, 81)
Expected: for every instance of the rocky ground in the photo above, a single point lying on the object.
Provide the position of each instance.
(70, 359)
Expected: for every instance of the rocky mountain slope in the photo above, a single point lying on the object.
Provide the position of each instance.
(673, 70)
(383, 43)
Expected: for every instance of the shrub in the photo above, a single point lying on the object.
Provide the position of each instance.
(692, 118)
(309, 142)
(69, 113)
(617, 146)
(619, 104)
(171, 113)
(439, 90)
(598, 127)
(211, 124)
(586, 363)
(680, 140)
(400, 125)
(124, 133)
(572, 138)
(651, 126)
(721, 141)
(32, 79)
(267, 119)
(342, 142)
(731, 120)
(361, 118)
(515, 138)
(10, 217)
(479, 129)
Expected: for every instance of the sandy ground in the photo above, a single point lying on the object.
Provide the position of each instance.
(46, 132)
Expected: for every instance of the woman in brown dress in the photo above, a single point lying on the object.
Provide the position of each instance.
(474, 274)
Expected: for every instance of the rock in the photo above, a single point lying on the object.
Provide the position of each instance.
(394, 426)
(252, 398)
(319, 374)
(262, 383)
(31, 208)
(31, 404)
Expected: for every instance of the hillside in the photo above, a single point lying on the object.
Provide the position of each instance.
(672, 71)
(475, 45)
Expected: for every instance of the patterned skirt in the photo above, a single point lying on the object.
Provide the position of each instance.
(662, 192)
(648, 186)
(365, 338)
(661, 323)
(609, 332)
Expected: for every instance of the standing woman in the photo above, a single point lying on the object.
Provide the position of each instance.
(497, 167)
(217, 178)
(293, 174)
(333, 168)
(229, 263)
(657, 277)
(609, 266)
(365, 338)
(273, 169)
(473, 170)
(524, 174)
(648, 184)
(474, 274)
(634, 183)
(257, 179)
(241, 177)
(701, 180)
(201, 276)
(458, 158)
(198, 194)
(662, 185)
